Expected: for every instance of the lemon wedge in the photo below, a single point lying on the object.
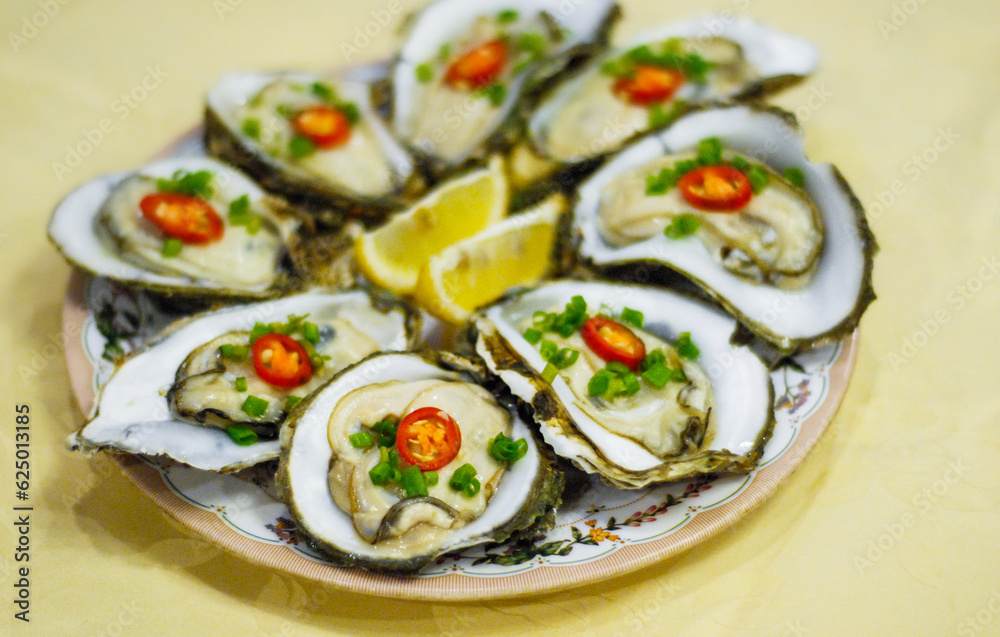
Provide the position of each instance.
(392, 255)
(478, 270)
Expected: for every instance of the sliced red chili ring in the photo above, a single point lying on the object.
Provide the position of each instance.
(183, 217)
(649, 85)
(479, 67)
(612, 341)
(429, 438)
(716, 188)
(325, 126)
(281, 361)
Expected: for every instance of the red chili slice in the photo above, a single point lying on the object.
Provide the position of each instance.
(429, 438)
(716, 188)
(612, 341)
(279, 360)
(479, 67)
(649, 85)
(182, 217)
(325, 126)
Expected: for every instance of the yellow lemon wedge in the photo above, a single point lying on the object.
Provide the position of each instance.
(478, 270)
(392, 255)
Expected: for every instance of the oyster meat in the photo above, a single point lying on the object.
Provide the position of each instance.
(315, 140)
(137, 229)
(370, 492)
(179, 395)
(689, 402)
(794, 267)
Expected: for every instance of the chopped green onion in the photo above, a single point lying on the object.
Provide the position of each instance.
(254, 406)
(548, 349)
(652, 358)
(239, 207)
(534, 44)
(463, 477)
(632, 385)
(682, 226)
(532, 335)
(310, 332)
(599, 383)
(658, 375)
(431, 477)
(495, 93)
(565, 358)
(381, 473)
(503, 449)
(710, 151)
(444, 52)
(661, 182)
(633, 317)
(424, 73)
(361, 440)
(660, 117)
(300, 147)
(795, 176)
(259, 329)
(242, 435)
(196, 184)
(235, 353)
(740, 164)
(686, 348)
(413, 482)
(251, 128)
(543, 320)
(758, 178)
(507, 16)
(386, 429)
(291, 401)
(618, 369)
(285, 111)
(171, 248)
(241, 384)
(324, 91)
(550, 372)
(472, 488)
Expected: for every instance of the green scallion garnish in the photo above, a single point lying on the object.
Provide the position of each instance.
(634, 318)
(548, 349)
(291, 401)
(172, 248)
(503, 449)
(310, 332)
(242, 435)
(495, 93)
(254, 406)
(507, 16)
(381, 473)
(413, 482)
(758, 178)
(532, 335)
(196, 184)
(686, 348)
(550, 372)
(300, 147)
(424, 73)
(710, 151)
(251, 128)
(464, 480)
(361, 440)
(682, 226)
(241, 384)
(795, 176)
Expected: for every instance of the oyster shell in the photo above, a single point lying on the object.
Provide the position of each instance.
(822, 306)
(326, 483)
(99, 228)
(249, 124)
(133, 414)
(715, 417)
(449, 122)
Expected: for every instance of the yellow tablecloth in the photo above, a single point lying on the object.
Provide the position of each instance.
(891, 525)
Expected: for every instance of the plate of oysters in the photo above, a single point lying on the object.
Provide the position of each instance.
(525, 308)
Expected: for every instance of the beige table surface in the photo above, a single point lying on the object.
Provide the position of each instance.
(890, 527)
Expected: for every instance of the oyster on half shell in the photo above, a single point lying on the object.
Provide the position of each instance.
(812, 302)
(468, 70)
(173, 396)
(329, 482)
(705, 411)
(314, 140)
(101, 228)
